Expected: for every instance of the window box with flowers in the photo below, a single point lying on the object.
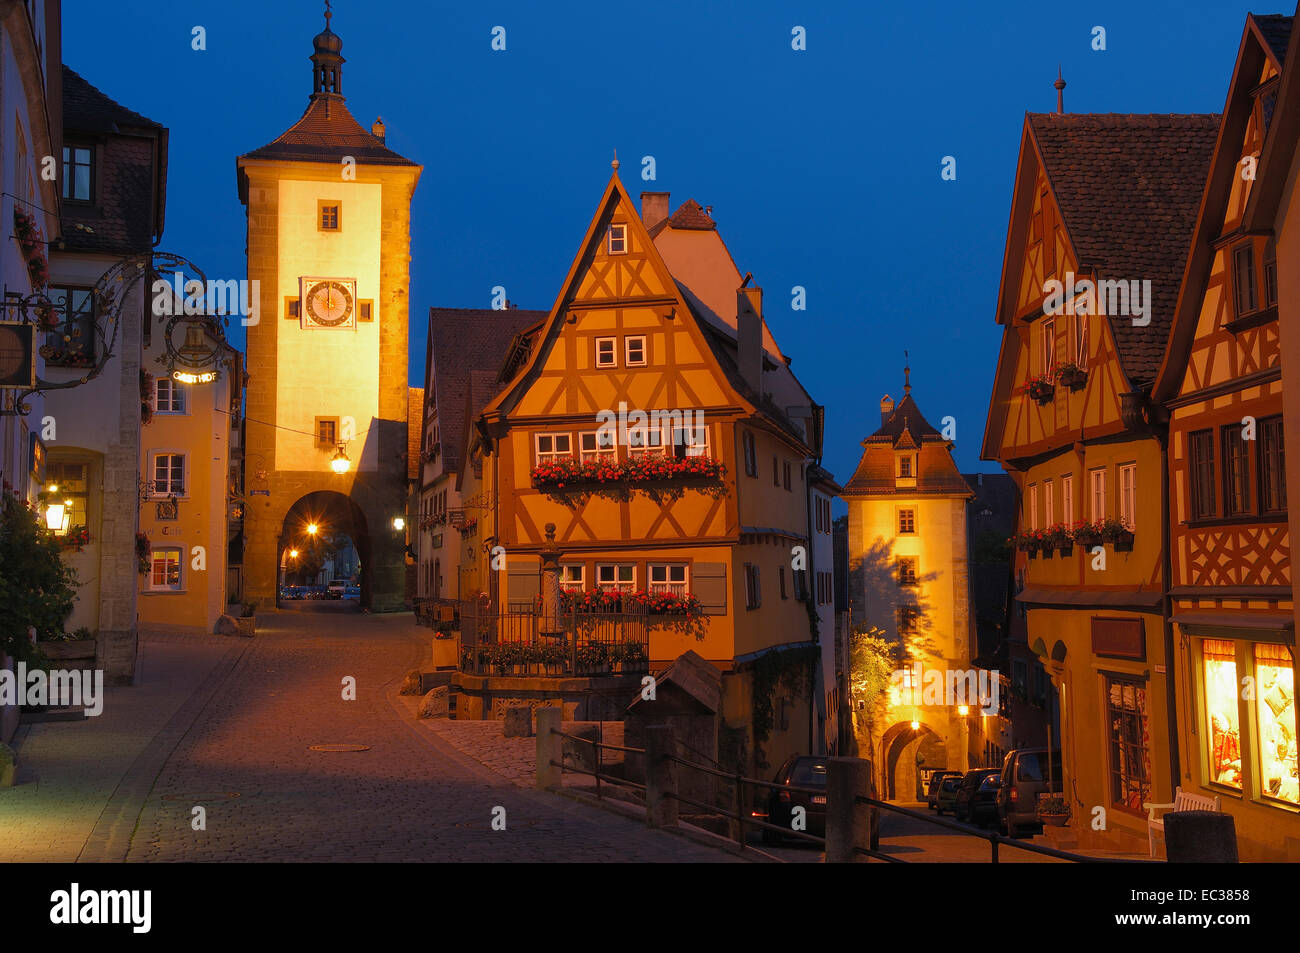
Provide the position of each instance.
(1085, 533)
(1057, 537)
(1071, 375)
(1041, 388)
(32, 244)
(77, 537)
(1117, 534)
(646, 468)
(1031, 542)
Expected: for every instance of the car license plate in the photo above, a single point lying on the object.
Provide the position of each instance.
(819, 798)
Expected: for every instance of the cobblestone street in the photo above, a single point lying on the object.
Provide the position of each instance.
(228, 725)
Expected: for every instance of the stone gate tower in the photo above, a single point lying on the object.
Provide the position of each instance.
(328, 247)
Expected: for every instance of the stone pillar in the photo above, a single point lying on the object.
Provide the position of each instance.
(848, 823)
(660, 776)
(549, 748)
(552, 622)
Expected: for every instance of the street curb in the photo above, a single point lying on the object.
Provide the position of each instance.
(110, 840)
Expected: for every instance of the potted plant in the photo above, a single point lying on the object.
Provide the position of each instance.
(247, 621)
(634, 658)
(1041, 388)
(1117, 534)
(1058, 536)
(1052, 809)
(593, 658)
(1086, 534)
(1071, 375)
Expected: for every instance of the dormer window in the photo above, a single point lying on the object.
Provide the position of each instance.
(618, 239)
(905, 466)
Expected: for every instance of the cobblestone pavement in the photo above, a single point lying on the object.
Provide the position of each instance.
(411, 796)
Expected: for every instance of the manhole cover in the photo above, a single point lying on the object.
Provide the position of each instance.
(222, 796)
(339, 748)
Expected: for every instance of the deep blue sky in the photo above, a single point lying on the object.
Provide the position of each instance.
(822, 166)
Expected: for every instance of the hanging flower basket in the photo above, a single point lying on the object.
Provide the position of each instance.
(1071, 375)
(1041, 389)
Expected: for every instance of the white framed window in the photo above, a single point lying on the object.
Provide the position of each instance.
(1097, 493)
(690, 440)
(617, 239)
(1128, 479)
(607, 352)
(620, 576)
(1081, 339)
(573, 576)
(165, 569)
(597, 445)
(1049, 514)
(1047, 351)
(643, 439)
(168, 396)
(1067, 497)
(669, 577)
(1031, 511)
(634, 351)
(553, 446)
(168, 474)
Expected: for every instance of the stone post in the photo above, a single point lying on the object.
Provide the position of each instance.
(848, 823)
(550, 748)
(551, 623)
(1200, 837)
(660, 776)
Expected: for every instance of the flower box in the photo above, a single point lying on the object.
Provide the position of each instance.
(1123, 543)
(1072, 376)
(645, 468)
(1041, 389)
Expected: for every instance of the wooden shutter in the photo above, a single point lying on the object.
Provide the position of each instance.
(523, 585)
(709, 585)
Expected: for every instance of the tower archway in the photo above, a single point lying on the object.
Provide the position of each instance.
(906, 751)
(321, 527)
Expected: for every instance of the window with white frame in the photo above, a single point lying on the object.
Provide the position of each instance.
(1067, 497)
(607, 352)
(165, 569)
(1047, 350)
(553, 446)
(643, 439)
(573, 576)
(634, 351)
(620, 576)
(1049, 513)
(1128, 478)
(668, 577)
(168, 396)
(168, 474)
(1031, 508)
(690, 440)
(617, 239)
(1081, 339)
(598, 445)
(1097, 493)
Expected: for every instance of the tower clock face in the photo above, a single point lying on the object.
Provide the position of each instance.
(328, 303)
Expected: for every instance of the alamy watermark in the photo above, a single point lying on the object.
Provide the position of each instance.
(946, 687)
(1128, 299)
(58, 687)
(231, 296)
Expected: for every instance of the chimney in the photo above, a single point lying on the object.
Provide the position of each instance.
(749, 334)
(654, 208)
(886, 408)
(378, 129)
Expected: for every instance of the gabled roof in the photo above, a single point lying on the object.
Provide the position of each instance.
(1128, 188)
(1275, 29)
(1252, 54)
(906, 429)
(87, 109)
(691, 216)
(467, 346)
(906, 417)
(326, 133)
(1279, 150)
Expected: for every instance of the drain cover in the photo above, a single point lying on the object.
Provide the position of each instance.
(339, 748)
(222, 796)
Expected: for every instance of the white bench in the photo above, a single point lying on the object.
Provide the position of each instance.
(1183, 801)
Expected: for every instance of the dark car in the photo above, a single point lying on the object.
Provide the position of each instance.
(800, 771)
(1024, 777)
(976, 797)
(932, 790)
(947, 797)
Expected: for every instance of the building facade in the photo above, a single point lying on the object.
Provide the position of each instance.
(329, 249)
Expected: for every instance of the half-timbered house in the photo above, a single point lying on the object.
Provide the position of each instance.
(1101, 217)
(1230, 586)
(650, 437)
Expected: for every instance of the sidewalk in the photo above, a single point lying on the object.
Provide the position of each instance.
(80, 784)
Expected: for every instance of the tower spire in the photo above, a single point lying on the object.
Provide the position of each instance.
(327, 60)
(1060, 91)
(907, 374)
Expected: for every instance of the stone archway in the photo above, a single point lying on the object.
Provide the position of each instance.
(331, 512)
(900, 747)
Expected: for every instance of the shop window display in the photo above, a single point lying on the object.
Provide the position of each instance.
(1223, 731)
(1275, 713)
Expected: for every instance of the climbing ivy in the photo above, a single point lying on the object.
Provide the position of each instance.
(792, 668)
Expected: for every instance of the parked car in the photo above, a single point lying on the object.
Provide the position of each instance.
(1024, 777)
(337, 588)
(947, 796)
(800, 771)
(976, 798)
(352, 592)
(932, 791)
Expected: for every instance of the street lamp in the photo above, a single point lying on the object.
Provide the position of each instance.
(399, 524)
(340, 462)
(312, 529)
(293, 554)
(963, 710)
(56, 517)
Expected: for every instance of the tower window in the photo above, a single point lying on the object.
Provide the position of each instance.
(328, 216)
(618, 239)
(327, 431)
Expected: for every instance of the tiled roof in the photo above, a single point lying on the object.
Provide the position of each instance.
(906, 417)
(1276, 30)
(326, 133)
(463, 341)
(906, 429)
(414, 430)
(87, 109)
(690, 215)
(1128, 188)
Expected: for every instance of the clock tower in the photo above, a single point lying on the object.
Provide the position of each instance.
(328, 247)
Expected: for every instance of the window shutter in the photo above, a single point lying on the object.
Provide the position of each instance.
(709, 585)
(523, 585)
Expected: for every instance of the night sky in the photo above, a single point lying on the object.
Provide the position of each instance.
(822, 166)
